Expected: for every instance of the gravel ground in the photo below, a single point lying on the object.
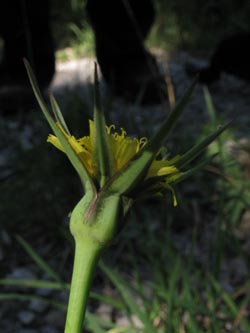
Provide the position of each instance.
(231, 96)
(232, 101)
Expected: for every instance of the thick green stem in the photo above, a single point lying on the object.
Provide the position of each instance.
(85, 261)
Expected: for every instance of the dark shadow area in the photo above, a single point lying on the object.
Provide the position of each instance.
(168, 256)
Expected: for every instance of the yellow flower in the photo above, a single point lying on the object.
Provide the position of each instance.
(123, 148)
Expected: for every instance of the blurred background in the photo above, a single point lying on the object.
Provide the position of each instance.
(183, 269)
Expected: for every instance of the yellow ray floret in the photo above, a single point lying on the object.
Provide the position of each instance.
(123, 148)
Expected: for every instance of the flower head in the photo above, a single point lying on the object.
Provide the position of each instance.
(160, 174)
(112, 165)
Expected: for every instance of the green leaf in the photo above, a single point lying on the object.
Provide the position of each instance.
(103, 156)
(195, 169)
(199, 148)
(58, 114)
(92, 321)
(73, 157)
(40, 262)
(95, 323)
(123, 289)
(157, 140)
(225, 296)
(209, 105)
(35, 284)
(27, 297)
(43, 284)
(135, 170)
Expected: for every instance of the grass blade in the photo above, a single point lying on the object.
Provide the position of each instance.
(103, 156)
(73, 157)
(58, 114)
(34, 284)
(27, 297)
(39, 260)
(96, 324)
(199, 148)
(133, 307)
(59, 286)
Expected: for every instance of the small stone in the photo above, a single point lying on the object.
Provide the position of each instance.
(239, 270)
(27, 330)
(136, 321)
(26, 317)
(227, 286)
(5, 237)
(44, 292)
(104, 311)
(64, 296)
(21, 273)
(48, 329)
(37, 306)
(55, 318)
(124, 321)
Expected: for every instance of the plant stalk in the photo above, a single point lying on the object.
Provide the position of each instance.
(86, 257)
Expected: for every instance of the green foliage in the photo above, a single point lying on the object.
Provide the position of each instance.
(197, 26)
(233, 167)
(72, 33)
(177, 296)
(178, 24)
(159, 286)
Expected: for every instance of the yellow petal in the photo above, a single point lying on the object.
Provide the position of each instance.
(175, 203)
(161, 168)
(55, 142)
(124, 149)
